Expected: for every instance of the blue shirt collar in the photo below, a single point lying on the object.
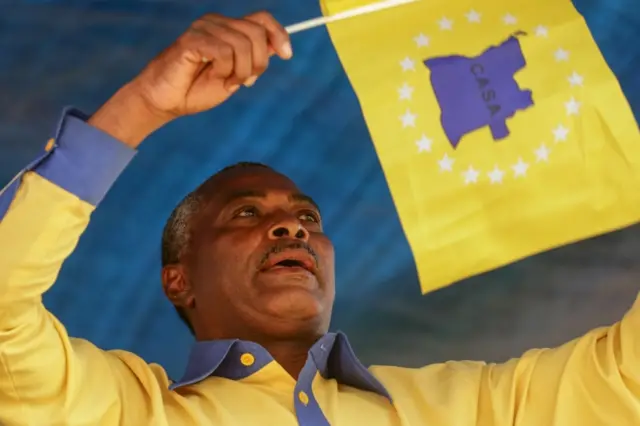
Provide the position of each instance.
(332, 356)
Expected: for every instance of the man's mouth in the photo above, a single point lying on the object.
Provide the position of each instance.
(291, 260)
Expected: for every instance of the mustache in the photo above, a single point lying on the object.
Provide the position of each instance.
(280, 247)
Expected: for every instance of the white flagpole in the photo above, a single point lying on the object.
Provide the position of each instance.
(374, 7)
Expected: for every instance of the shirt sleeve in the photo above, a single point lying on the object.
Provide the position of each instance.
(592, 380)
(46, 377)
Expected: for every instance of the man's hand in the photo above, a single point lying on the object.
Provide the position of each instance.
(205, 66)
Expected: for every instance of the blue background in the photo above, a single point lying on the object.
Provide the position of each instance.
(303, 118)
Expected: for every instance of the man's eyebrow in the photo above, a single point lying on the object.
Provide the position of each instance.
(304, 199)
(244, 194)
(296, 197)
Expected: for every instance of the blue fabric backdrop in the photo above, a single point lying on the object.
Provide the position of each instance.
(303, 118)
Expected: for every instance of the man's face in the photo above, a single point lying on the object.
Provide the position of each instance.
(259, 260)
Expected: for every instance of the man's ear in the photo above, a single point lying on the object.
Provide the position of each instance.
(177, 286)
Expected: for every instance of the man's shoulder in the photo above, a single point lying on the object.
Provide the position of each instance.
(125, 365)
(461, 378)
(448, 369)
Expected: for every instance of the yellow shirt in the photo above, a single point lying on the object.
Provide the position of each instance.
(48, 378)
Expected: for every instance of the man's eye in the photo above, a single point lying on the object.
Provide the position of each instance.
(246, 212)
(309, 217)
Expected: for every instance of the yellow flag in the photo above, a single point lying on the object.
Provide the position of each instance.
(500, 128)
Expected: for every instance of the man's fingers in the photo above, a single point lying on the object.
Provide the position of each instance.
(278, 36)
(244, 43)
(253, 39)
(234, 50)
(259, 44)
(199, 46)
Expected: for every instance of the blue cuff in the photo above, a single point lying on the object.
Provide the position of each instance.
(83, 160)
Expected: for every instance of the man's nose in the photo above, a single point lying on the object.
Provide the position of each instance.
(288, 227)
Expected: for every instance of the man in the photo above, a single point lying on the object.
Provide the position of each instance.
(247, 264)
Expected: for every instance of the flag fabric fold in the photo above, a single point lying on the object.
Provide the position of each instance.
(500, 128)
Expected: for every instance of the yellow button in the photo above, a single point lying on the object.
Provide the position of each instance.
(247, 359)
(49, 146)
(303, 397)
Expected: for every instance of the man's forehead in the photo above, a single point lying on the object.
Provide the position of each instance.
(255, 183)
(253, 179)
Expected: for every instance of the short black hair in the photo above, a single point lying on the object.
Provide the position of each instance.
(177, 230)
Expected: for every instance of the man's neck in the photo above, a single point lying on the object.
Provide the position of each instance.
(290, 352)
(291, 355)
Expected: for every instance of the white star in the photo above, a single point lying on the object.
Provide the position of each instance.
(408, 64)
(572, 107)
(542, 153)
(520, 168)
(496, 175)
(424, 144)
(473, 16)
(405, 92)
(560, 133)
(470, 175)
(509, 19)
(561, 55)
(542, 31)
(421, 40)
(576, 79)
(408, 119)
(446, 163)
(445, 24)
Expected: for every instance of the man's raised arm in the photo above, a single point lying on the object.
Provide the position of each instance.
(44, 212)
(47, 378)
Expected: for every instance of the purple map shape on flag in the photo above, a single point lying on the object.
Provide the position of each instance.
(474, 92)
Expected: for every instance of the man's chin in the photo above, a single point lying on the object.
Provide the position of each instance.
(285, 281)
(292, 296)
(292, 303)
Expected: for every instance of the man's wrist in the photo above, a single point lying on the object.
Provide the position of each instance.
(127, 117)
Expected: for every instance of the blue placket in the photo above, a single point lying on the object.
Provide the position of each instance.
(307, 408)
